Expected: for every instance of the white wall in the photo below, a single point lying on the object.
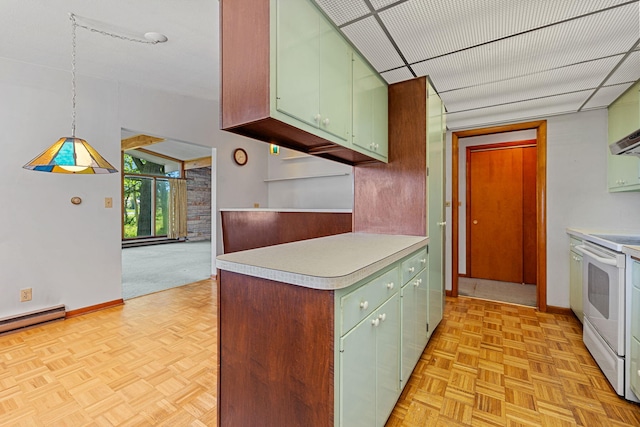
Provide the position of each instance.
(72, 254)
(289, 186)
(197, 121)
(577, 193)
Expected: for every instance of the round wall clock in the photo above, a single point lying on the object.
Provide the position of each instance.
(240, 156)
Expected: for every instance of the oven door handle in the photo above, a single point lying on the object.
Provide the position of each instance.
(583, 250)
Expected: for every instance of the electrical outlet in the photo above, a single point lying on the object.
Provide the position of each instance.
(256, 205)
(108, 202)
(25, 294)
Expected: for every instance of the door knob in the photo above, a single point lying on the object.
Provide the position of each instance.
(475, 221)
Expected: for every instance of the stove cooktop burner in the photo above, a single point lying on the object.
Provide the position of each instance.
(620, 239)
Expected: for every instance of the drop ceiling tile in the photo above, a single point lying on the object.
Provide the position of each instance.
(343, 11)
(379, 4)
(457, 24)
(556, 46)
(371, 41)
(588, 75)
(629, 70)
(397, 75)
(517, 112)
(606, 95)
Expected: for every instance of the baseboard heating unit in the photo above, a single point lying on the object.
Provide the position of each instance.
(19, 321)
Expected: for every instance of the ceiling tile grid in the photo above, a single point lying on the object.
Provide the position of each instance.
(606, 95)
(343, 11)
(424, 30)
(369, 38)
(523, 111)
(593, 37)
(577, 77)
(629, 70)
(397, 75)
(379, 4)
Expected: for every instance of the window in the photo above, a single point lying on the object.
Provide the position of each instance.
(146, 194)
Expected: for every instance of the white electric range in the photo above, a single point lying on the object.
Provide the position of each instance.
(607, 305)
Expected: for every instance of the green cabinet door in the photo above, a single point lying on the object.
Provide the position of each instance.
(436, 206)
(335, 83)
(388, 359)
(415, 314)
(624, 118)
(298, 60)
(358, 375)
(575, 284)
(370, 109)
(409, 347)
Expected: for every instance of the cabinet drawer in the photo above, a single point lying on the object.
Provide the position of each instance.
(635, 312)
(367, 298)
(635, 276)
(413, 265)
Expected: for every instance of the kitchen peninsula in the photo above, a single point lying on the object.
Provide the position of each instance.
(321, 332)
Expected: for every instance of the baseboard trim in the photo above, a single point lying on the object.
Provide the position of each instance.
(565, 311)
(92, 308)
(448, 293)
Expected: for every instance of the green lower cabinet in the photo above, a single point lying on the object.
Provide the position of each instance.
(370, 366)
(415, 305)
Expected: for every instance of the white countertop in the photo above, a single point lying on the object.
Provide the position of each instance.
(589, 236)
(634, 251)
(284, 210)
(328, 263)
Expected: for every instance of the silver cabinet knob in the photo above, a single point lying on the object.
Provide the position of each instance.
(325, 122)
(364, 305)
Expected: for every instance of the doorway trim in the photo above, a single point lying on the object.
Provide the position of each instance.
(541, 201)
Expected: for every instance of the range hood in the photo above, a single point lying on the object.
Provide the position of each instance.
(630, 144)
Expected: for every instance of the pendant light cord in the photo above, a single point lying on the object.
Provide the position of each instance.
(74, 25)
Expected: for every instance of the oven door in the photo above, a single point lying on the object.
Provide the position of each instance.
(603, 293)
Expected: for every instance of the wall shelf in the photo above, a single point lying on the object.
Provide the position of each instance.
(306, 177)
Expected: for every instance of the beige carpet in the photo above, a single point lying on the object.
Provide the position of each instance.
(493, 290)
(149, 269)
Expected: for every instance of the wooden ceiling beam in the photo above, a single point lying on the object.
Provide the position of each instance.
(200, 162)
(138, 141)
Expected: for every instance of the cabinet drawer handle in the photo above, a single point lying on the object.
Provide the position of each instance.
(317, 117)
(417, 283)
(390, 285)
(375, 322)
(383, 317)
(423, 260)
(364, 305)
(411, 269)
(325, 122)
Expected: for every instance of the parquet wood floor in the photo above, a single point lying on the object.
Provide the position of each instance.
(153, 360)
(490, 364)
(149, 362)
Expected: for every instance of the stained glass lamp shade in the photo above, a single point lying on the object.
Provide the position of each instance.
(70, 155)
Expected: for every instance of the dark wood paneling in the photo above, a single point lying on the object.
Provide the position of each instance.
(276, 353)
(276, 132)
(244, 52)
(392, 198)
(242, 230)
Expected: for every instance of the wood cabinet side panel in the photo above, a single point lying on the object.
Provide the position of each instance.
(276, 353)
(391, 198)
(244, 230)
(244, 69)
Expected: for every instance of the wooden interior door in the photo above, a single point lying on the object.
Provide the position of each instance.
(496, 213)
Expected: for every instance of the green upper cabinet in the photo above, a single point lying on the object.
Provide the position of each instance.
(624, 118)
(370, 110)
(313, 69)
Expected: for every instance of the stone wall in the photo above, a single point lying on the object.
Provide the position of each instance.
(198, 204)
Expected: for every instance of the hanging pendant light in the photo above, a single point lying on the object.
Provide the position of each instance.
(71, 154)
